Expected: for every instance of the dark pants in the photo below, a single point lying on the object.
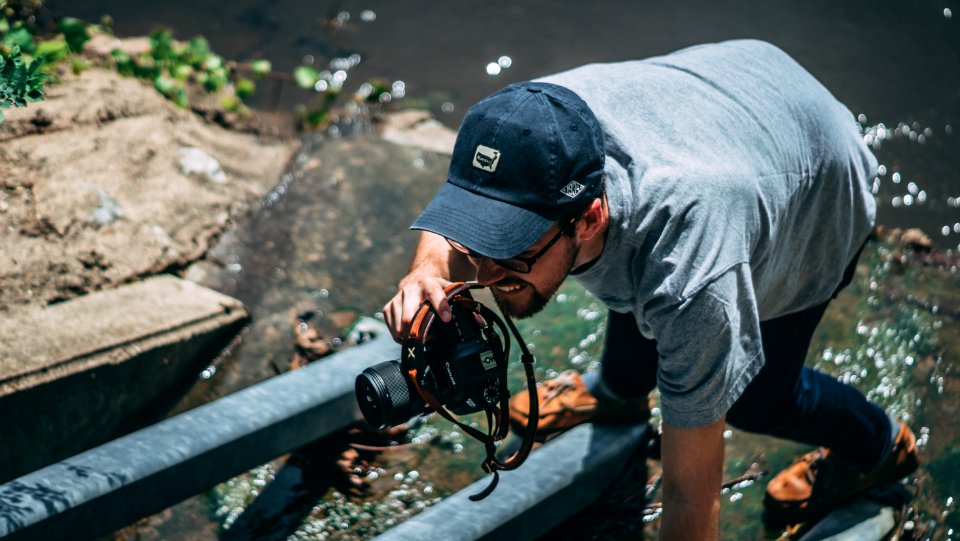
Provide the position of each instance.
(785, 399)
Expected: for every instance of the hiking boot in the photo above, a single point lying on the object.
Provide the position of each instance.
(819, 482)
(565, 403)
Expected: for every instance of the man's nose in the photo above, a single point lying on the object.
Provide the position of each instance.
(488, 272)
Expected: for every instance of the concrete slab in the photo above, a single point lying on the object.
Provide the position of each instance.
(78, 373)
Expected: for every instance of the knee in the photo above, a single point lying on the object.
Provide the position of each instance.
(760, 418)
(767, 410)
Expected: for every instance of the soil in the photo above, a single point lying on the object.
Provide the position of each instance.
(92, 191)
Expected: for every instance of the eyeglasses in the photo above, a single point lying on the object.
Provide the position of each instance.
(518, 264)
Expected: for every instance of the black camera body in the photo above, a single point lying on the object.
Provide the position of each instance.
(461, 363)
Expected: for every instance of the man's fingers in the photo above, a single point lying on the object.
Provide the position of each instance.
(391, 314)
(401, 310)
(440, 304)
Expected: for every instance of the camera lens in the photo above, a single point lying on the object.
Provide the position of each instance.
(385, 397)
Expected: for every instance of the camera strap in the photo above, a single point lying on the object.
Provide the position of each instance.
(498, 427)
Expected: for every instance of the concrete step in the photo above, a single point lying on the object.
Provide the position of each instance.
(79, 373)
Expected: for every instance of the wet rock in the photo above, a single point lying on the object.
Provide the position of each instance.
(311, 344)
(914, 239)
(917, 240)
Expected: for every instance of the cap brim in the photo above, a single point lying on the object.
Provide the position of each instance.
(489, 227)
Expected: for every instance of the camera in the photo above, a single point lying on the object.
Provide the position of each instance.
(462, 363)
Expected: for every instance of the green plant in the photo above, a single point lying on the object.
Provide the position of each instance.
(329, 85)
(74, 33)
(170, 65)
(20, 82)
(16, 31)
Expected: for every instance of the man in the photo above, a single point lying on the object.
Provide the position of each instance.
(715, 199)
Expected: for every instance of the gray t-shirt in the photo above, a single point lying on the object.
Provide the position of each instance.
(739, 190)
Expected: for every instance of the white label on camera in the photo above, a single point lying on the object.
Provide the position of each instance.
(486, 358)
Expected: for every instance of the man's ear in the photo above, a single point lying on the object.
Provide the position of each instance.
(592, 222)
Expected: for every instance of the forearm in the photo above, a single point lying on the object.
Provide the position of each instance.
(435, 256)
(689, 520)
(692, 473)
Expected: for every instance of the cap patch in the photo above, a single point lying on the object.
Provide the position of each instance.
(572, 189)
(486, 158)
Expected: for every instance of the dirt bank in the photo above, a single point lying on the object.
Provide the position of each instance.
(94, 190)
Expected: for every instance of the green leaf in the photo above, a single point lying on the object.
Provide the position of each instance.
(180, 98)
(260, 68)
(144, 66)
(124, 63)
(165, 85)
(229, 103)
(33, 95)
(20, 82)
(306, 76)
(78, 66)
(245, 88)
(216, 79)
(22, 38)
(212, 62)
(161, 45)
(182, 72)
(54, 50)
(74, 33)
(197, 51)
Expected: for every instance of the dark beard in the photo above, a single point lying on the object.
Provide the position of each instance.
(537, 303)
(537, 299)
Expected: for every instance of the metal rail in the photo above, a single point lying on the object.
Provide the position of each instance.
(557, 480)
(111, 486)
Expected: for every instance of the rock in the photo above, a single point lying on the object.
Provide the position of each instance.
(103, 139)
(108, 211)
(418, 129)
(917, 240)
(194, 161)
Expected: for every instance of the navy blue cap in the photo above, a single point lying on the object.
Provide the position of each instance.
(525, 157)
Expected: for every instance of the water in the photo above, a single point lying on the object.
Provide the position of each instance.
(331, 239)
(898, 353)
(896, 62)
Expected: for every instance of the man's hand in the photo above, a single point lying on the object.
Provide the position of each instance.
(413, 290)
(692, 460)
(435, 265)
